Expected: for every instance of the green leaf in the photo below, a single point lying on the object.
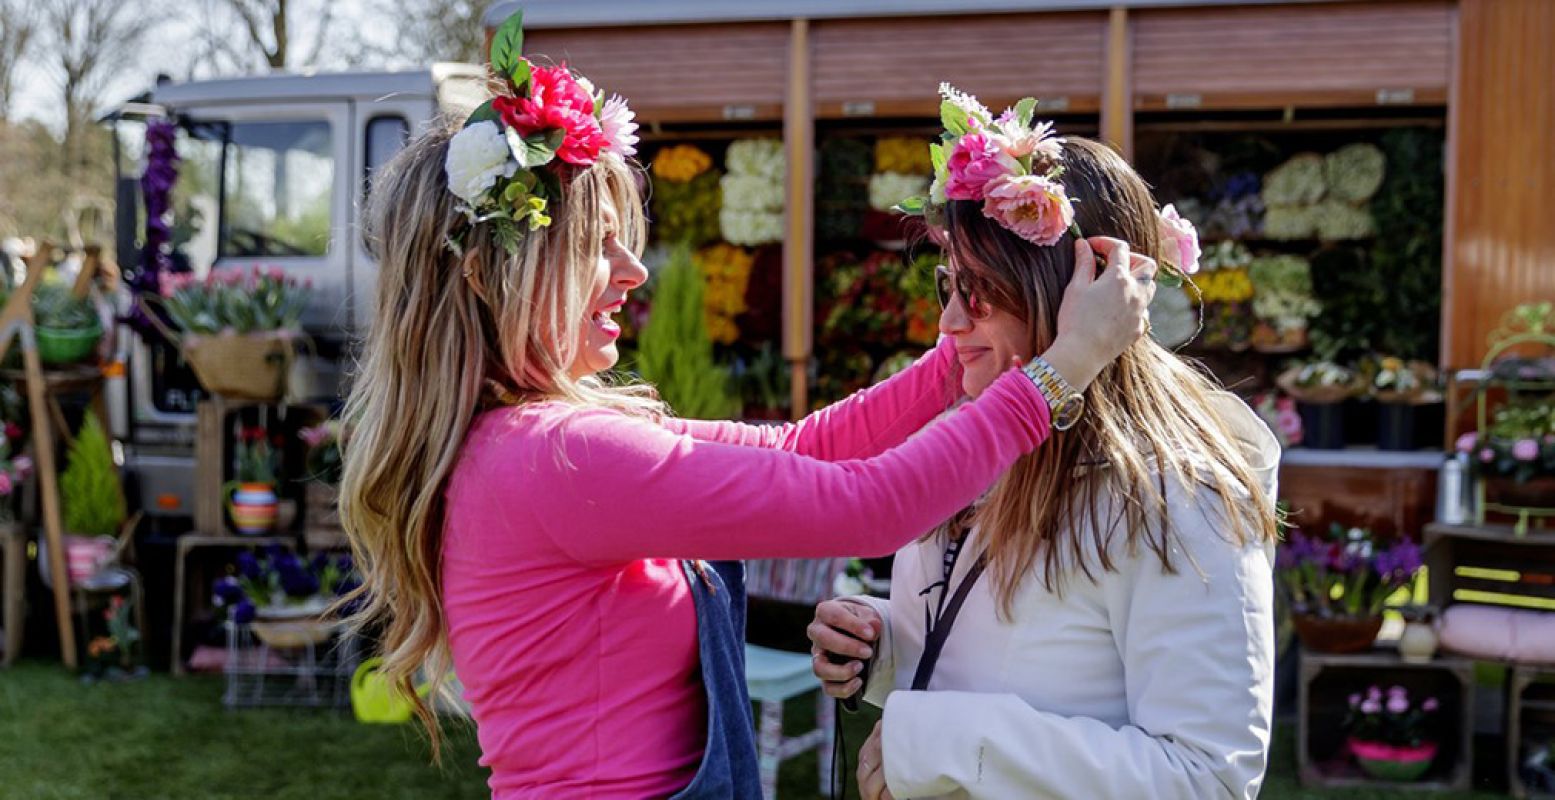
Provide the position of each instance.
(485, 113)
(1169, 277)
(541, 148)
(912, 206)
(507, 45)
(953, 117)
(1025, 110)
(937, 157)
(520, 75)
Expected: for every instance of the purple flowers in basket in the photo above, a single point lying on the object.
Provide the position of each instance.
(279, 577)
(1348, 573)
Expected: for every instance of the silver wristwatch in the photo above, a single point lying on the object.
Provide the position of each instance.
(1065, 405)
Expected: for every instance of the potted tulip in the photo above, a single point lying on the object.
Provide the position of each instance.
(251, 499)
(238, 328)
(1337, 585)
(1388, 733)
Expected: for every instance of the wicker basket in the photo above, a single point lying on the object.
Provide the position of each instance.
(251, 366)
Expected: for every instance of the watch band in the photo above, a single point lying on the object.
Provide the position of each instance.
(1047, 379)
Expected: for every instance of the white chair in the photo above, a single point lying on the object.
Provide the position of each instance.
(776, 676)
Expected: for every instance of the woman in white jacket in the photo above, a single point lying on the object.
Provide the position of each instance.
(1118, 642)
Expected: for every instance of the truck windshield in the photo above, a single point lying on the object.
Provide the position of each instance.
(274, 185)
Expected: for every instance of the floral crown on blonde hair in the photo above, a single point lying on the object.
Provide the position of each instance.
(1012, 164)
(507, 163)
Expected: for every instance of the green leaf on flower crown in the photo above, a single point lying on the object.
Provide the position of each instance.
(912, 206)
(507, 46)
(953, 117)
(486, 112)
(548, 185)
(520, 76)
(542, 147)
(1025, 110)
(1169, 276)
(507, 234)
(937, 158)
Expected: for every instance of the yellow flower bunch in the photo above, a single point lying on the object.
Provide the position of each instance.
(1225, 285)
(680, 163)
(726, 271)
(903, 155)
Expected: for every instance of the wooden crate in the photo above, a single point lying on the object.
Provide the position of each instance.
(214, 426)
(1326, 683)
(1490, 565)
(1530, 719)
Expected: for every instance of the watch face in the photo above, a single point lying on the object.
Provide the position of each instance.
(1068, 412)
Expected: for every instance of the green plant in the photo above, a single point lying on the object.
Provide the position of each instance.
(256, 462)
(54, 305)
(674, 352)
(89, 488)
(1355, 297)
(1407, 253)
(764, 382)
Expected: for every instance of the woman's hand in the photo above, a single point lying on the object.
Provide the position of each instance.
(871, 768)
(1102, 313)
(847, 628)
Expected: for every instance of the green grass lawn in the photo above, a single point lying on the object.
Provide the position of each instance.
(167, 739)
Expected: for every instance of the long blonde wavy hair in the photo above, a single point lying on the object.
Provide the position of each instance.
(448, 332)
(1148, 421)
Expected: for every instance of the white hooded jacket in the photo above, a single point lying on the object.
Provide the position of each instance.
(1142, 684)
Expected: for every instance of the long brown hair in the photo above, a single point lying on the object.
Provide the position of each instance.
(1148, 420)
(447, 331)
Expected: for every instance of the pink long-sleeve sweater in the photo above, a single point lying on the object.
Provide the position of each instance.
(573, 629)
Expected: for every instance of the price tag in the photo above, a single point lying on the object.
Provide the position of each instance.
(739, 112)
(1395, 97)
(1184, 100)
(862, 108)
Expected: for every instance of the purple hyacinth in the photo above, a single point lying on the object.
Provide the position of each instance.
(243, 612)
(318, 562)
(299, 583)
(248, 565)
(344, 564)
(228, 590)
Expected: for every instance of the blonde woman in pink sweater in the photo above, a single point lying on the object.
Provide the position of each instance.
(524, 522)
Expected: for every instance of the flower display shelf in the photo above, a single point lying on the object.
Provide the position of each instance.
(1326, 681)
(1530, 720)
(1524, 329)
(309, 675)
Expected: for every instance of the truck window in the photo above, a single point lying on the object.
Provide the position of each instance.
(279, 182)
(386, 135)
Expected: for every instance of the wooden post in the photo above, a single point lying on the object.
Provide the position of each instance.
(799, 206)
(16, 322)
(1117, 108)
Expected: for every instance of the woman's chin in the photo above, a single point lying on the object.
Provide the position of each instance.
(975, 383)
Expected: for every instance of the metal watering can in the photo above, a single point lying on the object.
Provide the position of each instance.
(373, 699)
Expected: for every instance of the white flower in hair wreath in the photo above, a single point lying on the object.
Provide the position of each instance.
(1012, 165)
(508, 163)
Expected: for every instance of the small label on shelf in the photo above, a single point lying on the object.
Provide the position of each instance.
(1184, 100)
(861, 108)
(739, 112)
(1395, 97)
(1059, 103)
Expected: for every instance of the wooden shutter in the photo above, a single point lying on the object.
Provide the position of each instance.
(893, 67)
(1327, 54)
(679, 73)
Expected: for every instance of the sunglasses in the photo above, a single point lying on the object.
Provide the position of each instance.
(964, 286)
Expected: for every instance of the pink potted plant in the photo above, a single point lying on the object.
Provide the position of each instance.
(1389, 733)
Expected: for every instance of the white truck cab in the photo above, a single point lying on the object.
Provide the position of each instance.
(273, 171)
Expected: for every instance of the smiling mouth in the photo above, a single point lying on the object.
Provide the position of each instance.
(602, 321)
(967, 354)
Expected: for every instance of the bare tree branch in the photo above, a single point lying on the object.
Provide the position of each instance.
(18, 24)
(437, 30)
(91, 40)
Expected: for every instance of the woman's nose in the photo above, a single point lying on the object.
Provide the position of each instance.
(627, 271)
(953, 318)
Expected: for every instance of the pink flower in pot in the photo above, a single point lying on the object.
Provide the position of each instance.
(1525, 450)
(1467, 442)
